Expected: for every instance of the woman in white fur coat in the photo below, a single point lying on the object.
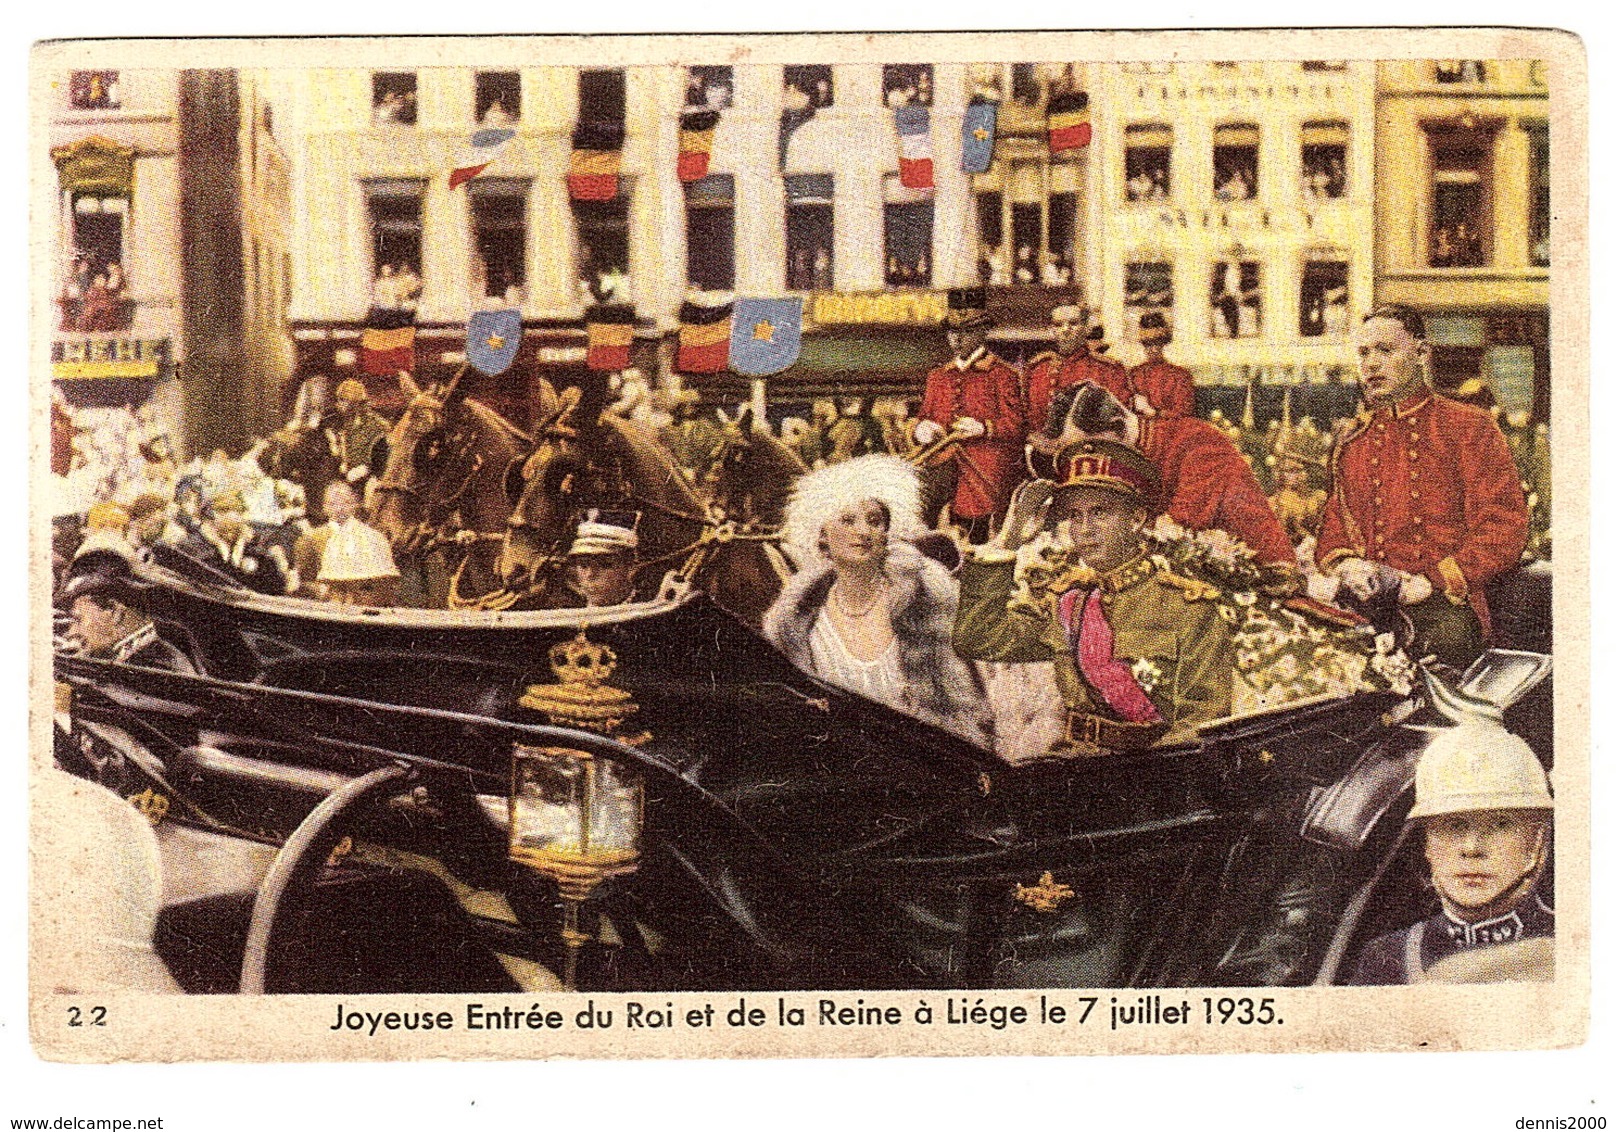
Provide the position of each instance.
(866, 610)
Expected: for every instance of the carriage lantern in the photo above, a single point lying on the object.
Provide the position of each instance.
(577, 817)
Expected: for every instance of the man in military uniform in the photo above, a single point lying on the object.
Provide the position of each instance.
(1141, 656)
(1426, 498)
(977, 398)
(357, 435)
(106, 625)
(1484, 808)
(1207, 484)
(1157, 387)
(1070, 364)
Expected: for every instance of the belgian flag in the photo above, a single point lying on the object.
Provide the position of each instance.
(592, 172)
(1069, 121)
(611, 334)
(704, 338)
(387, 344)
(696, 143)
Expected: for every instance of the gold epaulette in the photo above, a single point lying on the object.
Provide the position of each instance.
(1192, 589)
(1047, 356)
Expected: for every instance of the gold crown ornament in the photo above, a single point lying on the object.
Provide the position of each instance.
(582, 696)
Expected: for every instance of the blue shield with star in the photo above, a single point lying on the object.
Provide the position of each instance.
(977, 137)
(766, 335)
(492, 338)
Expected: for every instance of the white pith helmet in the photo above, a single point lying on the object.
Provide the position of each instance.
(1478, 767)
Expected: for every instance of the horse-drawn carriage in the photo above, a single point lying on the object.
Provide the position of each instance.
(650, 796)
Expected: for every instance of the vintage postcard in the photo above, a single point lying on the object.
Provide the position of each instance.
(806, 545)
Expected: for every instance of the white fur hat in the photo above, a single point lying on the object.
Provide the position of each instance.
(820, 495)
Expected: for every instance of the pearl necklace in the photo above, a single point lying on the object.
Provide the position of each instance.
(860, 615)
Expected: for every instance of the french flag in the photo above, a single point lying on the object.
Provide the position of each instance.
(484, 149)
(914, 146)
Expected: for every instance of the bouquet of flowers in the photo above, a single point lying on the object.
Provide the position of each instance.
(1281, 656)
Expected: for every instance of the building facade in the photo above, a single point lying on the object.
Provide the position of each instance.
(802, 195)
(1237, 200)
(158, 212)
(1463, 219)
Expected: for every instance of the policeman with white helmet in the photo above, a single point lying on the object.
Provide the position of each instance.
(1483, 804)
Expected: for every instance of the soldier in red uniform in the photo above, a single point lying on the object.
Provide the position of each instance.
(978, 398)
(1069, 364)
(1206, 482)
(1426, 498)
(1157, 387)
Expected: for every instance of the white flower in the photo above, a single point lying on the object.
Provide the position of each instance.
(1146, 674)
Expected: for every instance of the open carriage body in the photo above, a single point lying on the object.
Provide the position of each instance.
(786, 834)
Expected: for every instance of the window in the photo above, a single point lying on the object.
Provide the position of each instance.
(808, 87)
(1324, 64)
(710, 233)
(393, 98)
(1062, 232)
(1460, 71)
(1461, 202)
(907, 84)
(712, 88)
(1236, 307)
(601, 95)
(1323, 305)
(1147, 163)
(907, 234)
(1148, 286)
(1324, 161)
(1235, 162)
(1027, 237)
(1538, 220)
(499, 238)
(499, 98)
(1146, 68)
(395, 215)
(93, 90)
(1027, 223)
(94, 293)
(810, 233)
(602, 228)
(98, 230)
(993, 264)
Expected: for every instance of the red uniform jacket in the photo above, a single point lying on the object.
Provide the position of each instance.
(1170, 388)
(1052, 373)
(1208, 484)
(990, 466)
(1428, 488)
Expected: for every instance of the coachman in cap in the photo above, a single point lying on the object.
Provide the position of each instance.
(978, 399)
(604, 557)
(1141, 656)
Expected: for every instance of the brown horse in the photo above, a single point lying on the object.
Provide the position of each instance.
(753, 476)
(575, 465)
(611, 463)
(441, 500)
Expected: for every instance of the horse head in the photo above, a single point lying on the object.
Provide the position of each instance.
(543, 489)
(445, 457)
(597, 460)
(753, 473)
